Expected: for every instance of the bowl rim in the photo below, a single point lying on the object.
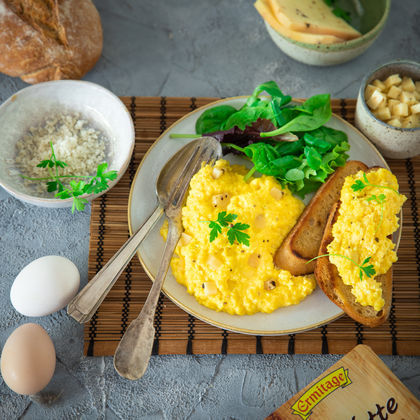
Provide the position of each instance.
(33, 199)
(363, 85)
(346, 45)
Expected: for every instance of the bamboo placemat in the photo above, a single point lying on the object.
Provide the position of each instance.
(180, 333)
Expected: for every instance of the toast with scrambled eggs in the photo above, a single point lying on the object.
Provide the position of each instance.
(332, 285)
(356, 254)
(303, 241)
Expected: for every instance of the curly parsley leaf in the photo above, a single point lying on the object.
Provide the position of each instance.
(224, 219)
(215, 230)
(52, 186)
(234, 232)
(47, 163)
(368, 270)
(358, 185)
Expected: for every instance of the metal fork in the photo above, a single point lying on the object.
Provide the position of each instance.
(133, 352)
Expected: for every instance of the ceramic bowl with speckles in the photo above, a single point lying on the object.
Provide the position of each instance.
(392, 142)
(34, 105)
(369, 18)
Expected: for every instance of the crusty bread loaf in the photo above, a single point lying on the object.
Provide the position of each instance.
(330, 282)
(303, 241)
(43, 40)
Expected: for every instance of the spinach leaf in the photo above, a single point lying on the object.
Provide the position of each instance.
(212, 119)
(330, 135)
(313, 157)
(272, 89)
(322, 145)
(247, 115)
(290, 148)
(318, 105)
(294, 175)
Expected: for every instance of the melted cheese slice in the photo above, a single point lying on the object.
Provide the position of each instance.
(311, 16)
(267, 14)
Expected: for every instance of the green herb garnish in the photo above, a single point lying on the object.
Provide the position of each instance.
(360, 185)
(91, 184)
(234, 232)
(368, 270)
(338, 11)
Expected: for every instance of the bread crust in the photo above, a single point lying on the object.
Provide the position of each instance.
(44, 40)
(330, 282)
(303, 241)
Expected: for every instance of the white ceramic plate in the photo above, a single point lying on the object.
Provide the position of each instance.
(312, 312)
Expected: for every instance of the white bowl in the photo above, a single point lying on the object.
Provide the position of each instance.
(392, 142)
(32, 105)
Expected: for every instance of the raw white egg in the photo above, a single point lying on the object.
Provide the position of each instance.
(28, 359)
(44, 286)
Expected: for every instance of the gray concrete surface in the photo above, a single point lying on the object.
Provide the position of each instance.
(177, 47)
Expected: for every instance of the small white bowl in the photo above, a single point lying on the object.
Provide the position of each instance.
(372, 22)
(33, 105)
(392, 142)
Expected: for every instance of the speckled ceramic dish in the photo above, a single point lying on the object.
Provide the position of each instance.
(393, 142)
(33, 105)
(370, 23)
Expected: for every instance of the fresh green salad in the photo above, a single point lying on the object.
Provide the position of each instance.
(285, 140)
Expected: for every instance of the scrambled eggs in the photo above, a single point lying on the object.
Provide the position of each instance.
(237, 279)
(362, 231)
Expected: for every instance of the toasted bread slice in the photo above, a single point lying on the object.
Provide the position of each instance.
(330, 282)
(303, 241)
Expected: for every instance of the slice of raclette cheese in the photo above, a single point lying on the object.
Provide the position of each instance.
(311, 16)
(265, 11)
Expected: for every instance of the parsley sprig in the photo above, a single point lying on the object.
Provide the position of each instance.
(79, 184)
(360, 185)
(234, 232)
(364, 269)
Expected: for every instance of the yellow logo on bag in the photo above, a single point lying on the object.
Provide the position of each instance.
(316, 393)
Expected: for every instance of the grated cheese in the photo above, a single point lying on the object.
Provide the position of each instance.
(75, 142)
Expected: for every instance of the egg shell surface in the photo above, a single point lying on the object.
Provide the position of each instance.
(44, 286)
(28, 359)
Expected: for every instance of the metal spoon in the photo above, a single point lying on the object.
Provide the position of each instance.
(84, 305)
(133, 352)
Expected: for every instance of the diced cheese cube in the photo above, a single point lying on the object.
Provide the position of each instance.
(415, 109)
(408, 84)
(369, 91)
(376, 100)
(400, 110)
(383, 113)
(395, 122)
(417, 95)
(411, 122)
(392, 103)
(394, 92)
(408, 97)
(379, 84)
(418, 86)
(392, 80)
